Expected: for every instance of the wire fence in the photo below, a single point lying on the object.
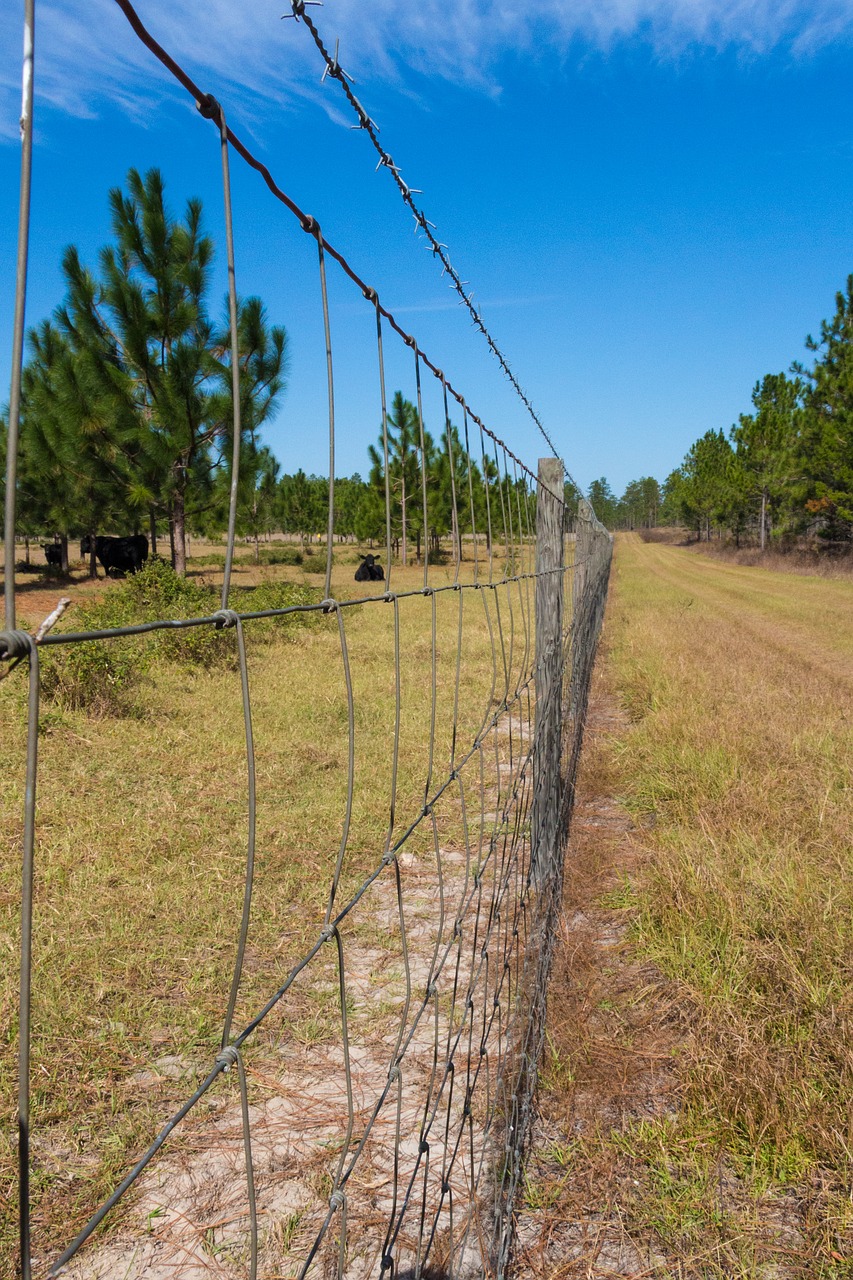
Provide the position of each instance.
(404, 1131)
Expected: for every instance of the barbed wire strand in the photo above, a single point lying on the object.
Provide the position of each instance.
(335, 71)
(308, 223)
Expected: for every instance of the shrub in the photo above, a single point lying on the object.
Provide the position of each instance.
(103, 675)
(275, 595)
(281, 555)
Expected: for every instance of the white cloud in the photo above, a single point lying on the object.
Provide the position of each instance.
(86, 54)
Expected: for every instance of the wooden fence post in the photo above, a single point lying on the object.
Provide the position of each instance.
(581, 603)
(545, 816)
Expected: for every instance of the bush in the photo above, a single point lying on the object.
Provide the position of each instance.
(97, 676)
(281, 555)
(103, 675)
(275, 595)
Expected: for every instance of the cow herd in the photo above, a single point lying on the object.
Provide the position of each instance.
(117, 555)
(128, 555)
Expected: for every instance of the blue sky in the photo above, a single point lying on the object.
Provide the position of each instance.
(651, 200)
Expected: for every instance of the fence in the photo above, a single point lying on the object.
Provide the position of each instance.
(395, 1145)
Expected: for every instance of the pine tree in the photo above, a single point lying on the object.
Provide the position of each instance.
(404, 470)
(152, 372)
(766, 443)
(825, 453)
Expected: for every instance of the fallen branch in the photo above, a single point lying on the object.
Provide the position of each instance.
(52, 619)
(49, 622)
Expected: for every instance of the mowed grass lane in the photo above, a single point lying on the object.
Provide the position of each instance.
(736, 765)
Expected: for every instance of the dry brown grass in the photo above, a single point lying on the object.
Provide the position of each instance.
(140, 852)
(809, 559)
(734, 764)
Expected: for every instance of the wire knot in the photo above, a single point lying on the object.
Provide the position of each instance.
(228, 1057)
(337, 1200)
(16, 644)
(328, 933)
(394, 1074)
(387, 1262)
(311, 225)
(226, 618)
(210, 108)
(371, 294)
(329, 605)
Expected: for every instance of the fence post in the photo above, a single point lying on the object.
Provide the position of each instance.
(581, 603)
(549, 669)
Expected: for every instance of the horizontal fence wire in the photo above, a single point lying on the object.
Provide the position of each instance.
(426, 1106)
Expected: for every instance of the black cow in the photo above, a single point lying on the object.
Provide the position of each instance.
(118, 555)
(370, 570)
(52, 554)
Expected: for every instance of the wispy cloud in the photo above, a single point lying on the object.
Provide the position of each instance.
(88, 54)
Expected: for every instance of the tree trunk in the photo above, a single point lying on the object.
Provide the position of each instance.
(418, 538)
(178, 533)
(763, 530)
(26, 548)
(152, 530)
(63, 552)
(93, 557)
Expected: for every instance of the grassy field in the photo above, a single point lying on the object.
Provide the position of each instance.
(141, 839)
(732, 752)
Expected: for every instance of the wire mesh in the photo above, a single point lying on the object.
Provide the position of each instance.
(402, 1135)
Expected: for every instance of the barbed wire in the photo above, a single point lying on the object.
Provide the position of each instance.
(468, 1017)
(207, 103)
(439, 250)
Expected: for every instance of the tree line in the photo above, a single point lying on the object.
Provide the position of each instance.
(786, 469)
(127, 414)
(782, 472)
(461, 496)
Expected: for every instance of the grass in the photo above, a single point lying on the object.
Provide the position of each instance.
(734, 759)
(141, 836)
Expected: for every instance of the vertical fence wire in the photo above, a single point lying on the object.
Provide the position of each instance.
(212, 110)
(27, 82)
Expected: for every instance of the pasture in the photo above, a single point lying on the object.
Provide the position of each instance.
(699, 1078)
(141, 847)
